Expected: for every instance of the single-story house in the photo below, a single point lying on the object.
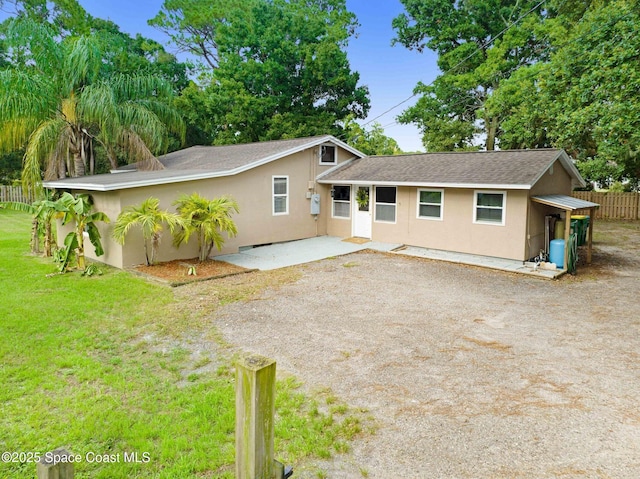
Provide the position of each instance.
(485, 203)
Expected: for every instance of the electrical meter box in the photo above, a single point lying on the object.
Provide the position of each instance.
(315, 204)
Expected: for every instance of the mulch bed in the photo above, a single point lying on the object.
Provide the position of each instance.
(176, 272)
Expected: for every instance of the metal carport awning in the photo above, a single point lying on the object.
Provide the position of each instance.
(570, 204)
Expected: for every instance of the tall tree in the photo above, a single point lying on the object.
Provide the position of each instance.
(586, 97)
(478, 43)
(53, 101)
(370, 141)
(278, 67)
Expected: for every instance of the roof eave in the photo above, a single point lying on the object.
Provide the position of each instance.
(570, 168)
(203, 175)
(426, 184)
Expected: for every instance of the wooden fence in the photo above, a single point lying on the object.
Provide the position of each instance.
(619, 206)
(13, 193)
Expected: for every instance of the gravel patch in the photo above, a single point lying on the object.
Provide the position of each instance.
(469, 373)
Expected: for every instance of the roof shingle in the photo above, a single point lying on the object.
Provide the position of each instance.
(507, 167)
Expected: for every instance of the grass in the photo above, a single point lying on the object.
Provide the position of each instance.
(92, 364)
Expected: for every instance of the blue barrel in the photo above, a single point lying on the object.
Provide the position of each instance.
(556, 252)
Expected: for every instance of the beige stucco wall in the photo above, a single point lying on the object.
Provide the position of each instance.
(457, 231)
(251, 189)
(555, 181)
(520, 238)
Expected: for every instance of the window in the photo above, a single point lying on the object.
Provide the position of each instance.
(386, 204)
(489, 207)
(430, 204)
(280, 195)
(327, 155)
(341, 201)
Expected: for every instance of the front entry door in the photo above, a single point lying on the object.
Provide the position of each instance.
(362, 212)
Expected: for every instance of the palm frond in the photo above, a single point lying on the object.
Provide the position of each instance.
(37, 42)
(138, 87)
(82, 62)
(25, 100)
(145, 124)
(43, 143)
(137, 150)
(168, 115)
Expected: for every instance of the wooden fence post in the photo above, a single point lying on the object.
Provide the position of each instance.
(255, 411)
(58, 468)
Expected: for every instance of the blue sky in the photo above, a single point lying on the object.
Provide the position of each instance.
(391, 73)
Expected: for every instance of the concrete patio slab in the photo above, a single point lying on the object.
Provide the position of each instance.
(290, 253)
(280, 255)
(502, 264)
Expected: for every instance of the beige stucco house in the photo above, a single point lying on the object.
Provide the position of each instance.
(273, 183)
(486, 203)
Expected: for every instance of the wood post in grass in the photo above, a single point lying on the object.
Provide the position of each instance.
(255, 411)
(55, 465)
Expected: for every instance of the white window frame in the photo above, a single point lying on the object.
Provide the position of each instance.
(395, 206)
(441, 204)
(348, 202)
(503, 208)
(335, 155)
(279, 195)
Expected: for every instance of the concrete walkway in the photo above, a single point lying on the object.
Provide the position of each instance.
(280, 255)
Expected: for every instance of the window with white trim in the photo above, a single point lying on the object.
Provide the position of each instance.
(489, 207)
(341, 201)
(385, 204)
(430, 204)
(280, 195)
(328, 155)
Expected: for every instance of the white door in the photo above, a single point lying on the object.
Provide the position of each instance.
(362, 212)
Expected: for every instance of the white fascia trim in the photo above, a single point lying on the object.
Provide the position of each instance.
(568, 165)
(202, 175)
(133, 184)
(479, 186)
(334, 168)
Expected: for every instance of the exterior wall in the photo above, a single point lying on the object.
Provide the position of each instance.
(520, 238)
(457, 231)
(109, 204)
(555, 181)
(252, 190)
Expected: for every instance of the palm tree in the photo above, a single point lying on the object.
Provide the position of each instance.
(150, 219)
(207, 219)
(53, 101)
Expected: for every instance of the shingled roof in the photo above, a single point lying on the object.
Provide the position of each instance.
(199, 162)
(517, 169)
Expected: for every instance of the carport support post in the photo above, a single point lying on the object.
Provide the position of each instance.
(567, 233)
(592, 214)
(255, 411)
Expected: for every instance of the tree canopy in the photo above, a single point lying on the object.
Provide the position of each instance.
(531, 74)
(277, 68)
(54, 102)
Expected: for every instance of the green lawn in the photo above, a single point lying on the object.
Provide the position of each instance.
(80, 367)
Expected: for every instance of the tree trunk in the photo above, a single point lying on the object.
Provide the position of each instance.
(80, 250)
(78, 163)
(35, 237)
(47, 238)
(492, 130)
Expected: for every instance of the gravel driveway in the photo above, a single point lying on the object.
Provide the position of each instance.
(469, 373)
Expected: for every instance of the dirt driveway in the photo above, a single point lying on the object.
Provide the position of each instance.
(469, 373)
